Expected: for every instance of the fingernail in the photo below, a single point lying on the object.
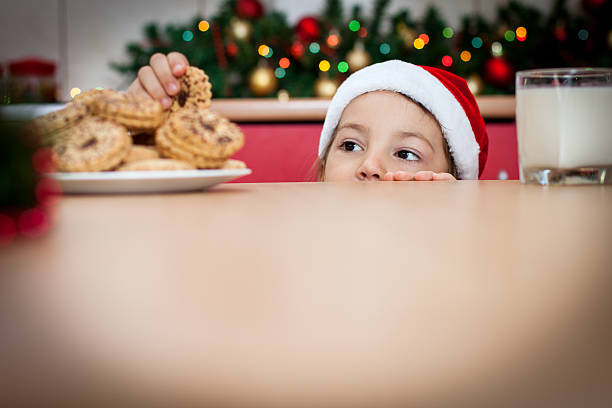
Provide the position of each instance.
(178, 67)
(173, 88)
(166, 102)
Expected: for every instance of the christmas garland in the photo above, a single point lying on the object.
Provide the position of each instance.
(248, 51)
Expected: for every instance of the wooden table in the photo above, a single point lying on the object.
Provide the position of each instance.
(323, 294)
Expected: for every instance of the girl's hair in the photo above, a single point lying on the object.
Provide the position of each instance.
(321, 161)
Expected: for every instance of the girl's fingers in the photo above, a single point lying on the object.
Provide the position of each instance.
(150, 83)
(178, 63)
(161, 68)
(137, 89)
(443, 177)
(402, 176)
(424, 176)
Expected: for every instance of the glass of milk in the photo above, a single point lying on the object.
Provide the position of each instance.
(564, 125)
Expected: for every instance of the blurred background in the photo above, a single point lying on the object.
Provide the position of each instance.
(52, 49)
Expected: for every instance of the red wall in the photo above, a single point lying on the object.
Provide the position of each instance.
(282, 152)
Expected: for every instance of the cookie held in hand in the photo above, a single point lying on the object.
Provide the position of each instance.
(195, 90)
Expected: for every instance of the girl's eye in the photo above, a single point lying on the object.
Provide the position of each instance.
(350, 146)
(407, 155)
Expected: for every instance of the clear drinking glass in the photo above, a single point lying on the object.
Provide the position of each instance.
(564, 125)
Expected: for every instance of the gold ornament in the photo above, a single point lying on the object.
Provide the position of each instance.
(475, 84)
(325, 87)
(241, 29)
(358, 58)
(408, 35)
(262, 81)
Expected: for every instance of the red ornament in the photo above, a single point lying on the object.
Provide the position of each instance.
(249, 9)
(231, 49)
(296, 50)
(498, 72)
(593, 5)
(308, 29)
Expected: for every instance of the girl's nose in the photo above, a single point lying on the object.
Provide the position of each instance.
(370, 170)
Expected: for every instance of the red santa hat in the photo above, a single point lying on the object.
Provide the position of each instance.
(445, 95)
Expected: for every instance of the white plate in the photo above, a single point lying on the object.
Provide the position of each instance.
(144, 181)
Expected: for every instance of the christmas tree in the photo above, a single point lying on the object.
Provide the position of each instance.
(249, 51)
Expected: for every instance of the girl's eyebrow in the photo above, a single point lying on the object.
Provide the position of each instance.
(357, 126)
(406, 134)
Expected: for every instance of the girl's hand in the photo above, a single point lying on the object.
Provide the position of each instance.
(158, 80)
(418, 176)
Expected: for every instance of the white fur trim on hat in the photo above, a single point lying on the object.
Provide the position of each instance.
(421, 86)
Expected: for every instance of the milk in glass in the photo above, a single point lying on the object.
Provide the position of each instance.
(565, 127)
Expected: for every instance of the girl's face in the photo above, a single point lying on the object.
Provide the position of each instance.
(382, 132)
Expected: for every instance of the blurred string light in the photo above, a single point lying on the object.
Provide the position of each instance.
(448, 32)
(265, 51)
(384, 48)
(187, 35)
(362, 32)
(447, 60)
(280, 73)
(418, 43)
(496, 49)
(521, 33)
(333, 40)
(465, 56)
(343, 66)
(354, 25)
(583, 35)
(476, 42)
(425, 38)
(314, 47)
(284, 63)
(324, 65)
(74, 92)
(509, 35)
(99, 88)
(203, 26)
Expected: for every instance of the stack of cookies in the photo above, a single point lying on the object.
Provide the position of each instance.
(102, 130)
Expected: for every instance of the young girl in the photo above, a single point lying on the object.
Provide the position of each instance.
(392, 121)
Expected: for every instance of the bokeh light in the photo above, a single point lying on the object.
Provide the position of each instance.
(280, 73)
(583, 35)
(363, 33)
(354, 25)
(447, 61)
(448, 32)
(509, 36)
(343, 66)
(425, 38)
(314, 47)
(384, 48)
(203, 26)
(496, 49)
(476, 42)
(187, 35)
(284, 63)
(324, 65)
(521, 32)
(419, 43)
(465, 56)
(333, 40)
(263, 50)
(74, 92)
